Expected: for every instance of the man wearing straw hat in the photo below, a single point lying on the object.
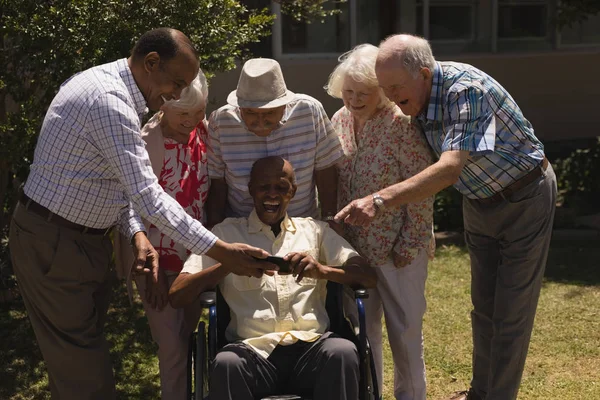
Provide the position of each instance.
(263, 119)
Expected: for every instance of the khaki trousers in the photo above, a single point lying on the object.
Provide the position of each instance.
(171, 329)
(63, 277)
(400, 296)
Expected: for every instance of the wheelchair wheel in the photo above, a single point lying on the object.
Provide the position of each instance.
(200, 364)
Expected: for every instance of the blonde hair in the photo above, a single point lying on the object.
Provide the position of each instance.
(359, 65)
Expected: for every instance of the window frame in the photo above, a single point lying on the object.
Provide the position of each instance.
(482, 10)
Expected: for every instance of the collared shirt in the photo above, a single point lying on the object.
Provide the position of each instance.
(305, 138)
(388, 150)
(90, 164)
(276, 309)
(469, 110)
(184, 177)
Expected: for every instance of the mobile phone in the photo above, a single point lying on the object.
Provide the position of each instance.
(284, 266)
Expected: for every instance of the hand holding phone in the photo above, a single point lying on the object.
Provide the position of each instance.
(284, 266)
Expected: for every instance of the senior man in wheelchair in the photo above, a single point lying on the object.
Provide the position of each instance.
(278, 331)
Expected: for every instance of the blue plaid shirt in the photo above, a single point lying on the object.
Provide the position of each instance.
(469, 110)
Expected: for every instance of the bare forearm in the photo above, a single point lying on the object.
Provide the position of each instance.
(426, 183)
(327, 181)
(187, 287)
(216, 202)
(354, 273)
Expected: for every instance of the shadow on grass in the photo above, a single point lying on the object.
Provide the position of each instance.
(569, 261)
(574, 264)
(22, 372)
(20, 356)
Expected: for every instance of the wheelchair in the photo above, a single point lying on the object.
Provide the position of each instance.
(208, 339)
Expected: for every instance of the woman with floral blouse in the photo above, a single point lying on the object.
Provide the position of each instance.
(383, 147)
(176, 140)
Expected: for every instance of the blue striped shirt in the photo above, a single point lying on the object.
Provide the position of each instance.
(305, 138)
(468, 110)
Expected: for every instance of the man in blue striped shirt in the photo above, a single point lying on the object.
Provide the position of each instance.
(487, 149)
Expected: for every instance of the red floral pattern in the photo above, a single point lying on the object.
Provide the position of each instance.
(389, 150)
(184, 176)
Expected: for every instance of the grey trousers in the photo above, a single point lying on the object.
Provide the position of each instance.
(63, 277)
(508, 243)
(327, 369)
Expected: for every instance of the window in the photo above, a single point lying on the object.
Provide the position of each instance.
(330, 36)
(447, 20)
(452, 26)
(522, 19)
(587, 32)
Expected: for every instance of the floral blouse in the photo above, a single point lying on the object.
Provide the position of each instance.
(184, 176)
(390, 149)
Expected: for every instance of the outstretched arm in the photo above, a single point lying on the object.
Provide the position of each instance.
(428, 182)
(187, 287)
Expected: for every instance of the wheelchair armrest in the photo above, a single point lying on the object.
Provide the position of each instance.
(208, 298)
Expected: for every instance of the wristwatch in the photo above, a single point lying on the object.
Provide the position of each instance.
(378, 202)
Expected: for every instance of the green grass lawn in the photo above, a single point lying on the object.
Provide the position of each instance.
(563, 361)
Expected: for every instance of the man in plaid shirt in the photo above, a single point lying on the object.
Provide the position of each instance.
(90, 172)
(488, 150)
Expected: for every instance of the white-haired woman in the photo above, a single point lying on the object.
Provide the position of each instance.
(176, 140)
(383, 147)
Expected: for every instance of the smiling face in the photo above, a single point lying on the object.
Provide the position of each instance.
(361, 99)
(262, 121)
(272, 187)
(166, 79)
(409, 93)
(180, 122)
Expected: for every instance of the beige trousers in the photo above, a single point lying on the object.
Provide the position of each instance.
(400, 296)
(64, 280)
(171, 329)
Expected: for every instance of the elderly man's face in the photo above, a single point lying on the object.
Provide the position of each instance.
(272, 187)
(361, 99)
(410, 93)
(262, 121)
(166, 79)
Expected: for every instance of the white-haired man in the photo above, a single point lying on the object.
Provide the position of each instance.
(263, 118)
(488, 151)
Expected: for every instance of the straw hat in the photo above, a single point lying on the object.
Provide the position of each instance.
(261, 85)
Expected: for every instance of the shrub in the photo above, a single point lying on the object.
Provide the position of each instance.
(578, 178)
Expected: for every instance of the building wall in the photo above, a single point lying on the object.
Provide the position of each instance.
(559, 92)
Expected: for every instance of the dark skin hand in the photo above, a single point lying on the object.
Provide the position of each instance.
(355, 272)
(145, 257)
(187, 287)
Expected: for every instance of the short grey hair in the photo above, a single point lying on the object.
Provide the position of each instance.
(413, 52)
(358, 64)
(192, 96)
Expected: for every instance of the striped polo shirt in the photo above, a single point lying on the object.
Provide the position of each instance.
(469, 110)
(305, 138)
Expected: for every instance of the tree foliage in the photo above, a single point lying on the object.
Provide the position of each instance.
(576, 11)
(47, 41)
(308, 10)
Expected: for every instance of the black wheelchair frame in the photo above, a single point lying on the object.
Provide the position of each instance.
(205, 342)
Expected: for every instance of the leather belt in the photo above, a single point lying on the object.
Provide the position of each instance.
(518, 184)
(49, 216)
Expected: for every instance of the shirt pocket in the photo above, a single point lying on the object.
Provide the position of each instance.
(244, 283)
